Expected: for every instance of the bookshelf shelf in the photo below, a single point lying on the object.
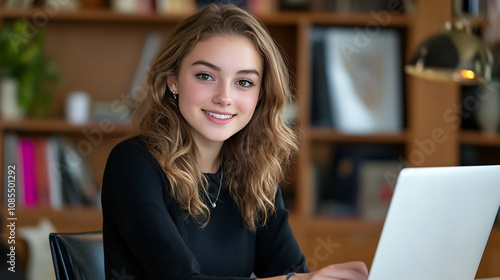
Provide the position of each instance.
(62, 126)
(347, 224)
(93, 16)
(67, 219)
(292, 18)
(331, 135)
(336, 18)
(480, 139)
(359, 19)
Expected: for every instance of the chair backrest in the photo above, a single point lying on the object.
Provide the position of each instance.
(77, 256)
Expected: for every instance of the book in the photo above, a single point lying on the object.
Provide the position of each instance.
(321, 111)
(152, 44)
(364, 74)
(49, 173)
(342, 179)
(41, 172)
(54, 173)
(27, 153)
(78, 184)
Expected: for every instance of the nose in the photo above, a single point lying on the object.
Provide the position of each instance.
(224, 95)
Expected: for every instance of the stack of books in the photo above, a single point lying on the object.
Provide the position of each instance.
(49, 173)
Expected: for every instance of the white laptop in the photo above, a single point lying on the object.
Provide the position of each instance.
(438, 223)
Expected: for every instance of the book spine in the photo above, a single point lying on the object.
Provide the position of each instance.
(28, 159)
(43, 195)
(54, 174)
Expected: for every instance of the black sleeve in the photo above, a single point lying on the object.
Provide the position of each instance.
(277, 251)
(135, 211)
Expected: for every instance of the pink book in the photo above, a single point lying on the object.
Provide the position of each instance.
(27, 152)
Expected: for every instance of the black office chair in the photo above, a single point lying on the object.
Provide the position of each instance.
(77, 256)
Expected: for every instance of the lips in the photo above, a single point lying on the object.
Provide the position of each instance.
(221, 116)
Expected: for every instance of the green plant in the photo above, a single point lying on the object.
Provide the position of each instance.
(22, 57)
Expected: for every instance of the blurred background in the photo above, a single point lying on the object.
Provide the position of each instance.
(72, 72)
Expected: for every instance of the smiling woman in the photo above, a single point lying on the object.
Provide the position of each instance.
(203, 169)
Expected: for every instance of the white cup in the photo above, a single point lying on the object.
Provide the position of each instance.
(78, 107)
(9, 99)
(124, 6)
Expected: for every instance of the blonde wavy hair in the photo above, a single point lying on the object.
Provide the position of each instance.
(255, 158)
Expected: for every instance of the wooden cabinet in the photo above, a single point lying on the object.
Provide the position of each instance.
(98, 51)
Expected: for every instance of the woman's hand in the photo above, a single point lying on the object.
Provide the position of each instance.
(341, 271)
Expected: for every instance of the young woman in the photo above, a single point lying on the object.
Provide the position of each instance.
(194, 194)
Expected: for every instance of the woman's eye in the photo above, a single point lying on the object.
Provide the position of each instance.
(204, 77)
(244, 83)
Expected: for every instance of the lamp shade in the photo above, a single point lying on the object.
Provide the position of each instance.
(454, 54)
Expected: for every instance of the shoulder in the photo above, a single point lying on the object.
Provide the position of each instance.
(132, 154)
(131, 145)
(131, 149)
(130, 164)
(278, 199)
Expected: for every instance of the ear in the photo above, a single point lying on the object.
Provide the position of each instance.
(172, 82)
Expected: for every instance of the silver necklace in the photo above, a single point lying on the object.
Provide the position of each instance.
(218, 193)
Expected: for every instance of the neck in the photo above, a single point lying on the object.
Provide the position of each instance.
(209, 160)
(208, 154)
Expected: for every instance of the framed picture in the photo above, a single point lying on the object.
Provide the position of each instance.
(377, 183)
(364, 79)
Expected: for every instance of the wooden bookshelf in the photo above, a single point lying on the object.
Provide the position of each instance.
(66, 219)
(93, 16)
(52, 126)
(98, 51)
(480, 138)
(105, 15)
(331, 135)
(336, 18)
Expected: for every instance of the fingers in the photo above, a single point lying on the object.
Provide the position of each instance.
(360, 267)
(342, 271)
(344, 274)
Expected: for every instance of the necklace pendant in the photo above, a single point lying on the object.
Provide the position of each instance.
(218, 193)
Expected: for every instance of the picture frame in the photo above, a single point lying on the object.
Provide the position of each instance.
(377, 184)
(364, 79)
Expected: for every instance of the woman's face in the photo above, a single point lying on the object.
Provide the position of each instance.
(218, 87)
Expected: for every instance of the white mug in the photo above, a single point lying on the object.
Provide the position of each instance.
(9, 99)
(78, 107)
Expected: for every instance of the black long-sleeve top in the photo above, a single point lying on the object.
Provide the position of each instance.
(147, 235)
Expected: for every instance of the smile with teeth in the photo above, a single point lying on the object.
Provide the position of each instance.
(219, 116)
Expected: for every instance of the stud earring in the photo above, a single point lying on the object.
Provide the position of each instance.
(174, 95)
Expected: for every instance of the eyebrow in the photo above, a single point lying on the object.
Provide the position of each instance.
(217, 68)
